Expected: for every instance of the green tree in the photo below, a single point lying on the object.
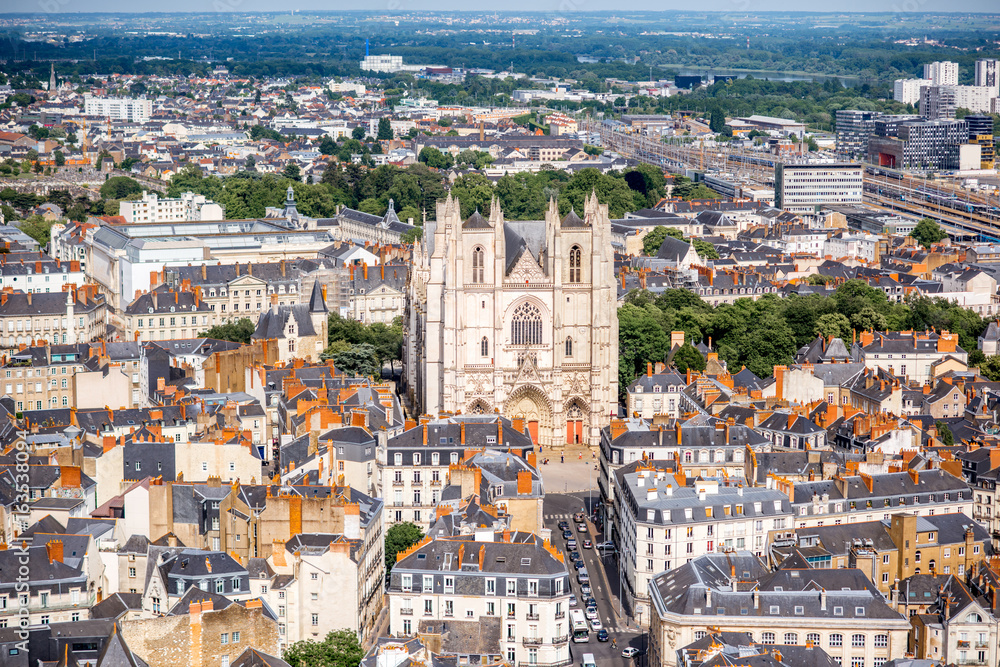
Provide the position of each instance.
(340, 648)
(327, 145)
(372, 206)
(688, 357)
(59, 158)
(944, 433)
(250, 163)
(652, 241)
(833, 324)
(384, 129)
(868, 319)
(400, 537)
(718, 121)
(387, 339)
(120, 187)
(359, 133)
(359, 360)
(413, 235)
(37, 228)
(990, 368)
(928, 232)
(292, 172)
(239, 331)
(641, 339)
(434, 158)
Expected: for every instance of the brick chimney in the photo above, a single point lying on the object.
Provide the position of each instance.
(54, 549)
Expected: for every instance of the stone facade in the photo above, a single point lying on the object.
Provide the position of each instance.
(516, 317)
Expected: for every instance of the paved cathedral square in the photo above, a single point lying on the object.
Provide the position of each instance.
(517, 317)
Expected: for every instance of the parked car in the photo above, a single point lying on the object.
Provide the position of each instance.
(572, 601)
(586, 590)
(606, 546)
(631, 652)
(587, 544)
(567, 534)
(602, 635)
(590, 602)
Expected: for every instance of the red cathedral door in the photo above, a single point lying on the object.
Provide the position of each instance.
(533, 431)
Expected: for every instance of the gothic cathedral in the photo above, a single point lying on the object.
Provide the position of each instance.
(516, 317)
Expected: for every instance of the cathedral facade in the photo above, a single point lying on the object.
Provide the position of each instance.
(516, 317)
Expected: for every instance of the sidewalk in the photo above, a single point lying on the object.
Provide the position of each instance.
(566, 471)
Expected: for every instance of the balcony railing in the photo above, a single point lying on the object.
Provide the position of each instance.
(531, 617)
(531, 641)
(560, 640)
(560, 614)
(398, 482)
(406, 612)
(561, 663)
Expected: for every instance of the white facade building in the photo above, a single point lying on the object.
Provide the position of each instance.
(942, 73)
(803, 187)
(907, 91)
(988, 75)
(189, 206)
(118, 108)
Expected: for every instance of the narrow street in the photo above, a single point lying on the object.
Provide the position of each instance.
(603, 581)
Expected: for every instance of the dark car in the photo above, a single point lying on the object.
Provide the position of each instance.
(564, 525)
(590, 602)
(567, 534)
(574, 555)
(602, 635)
(578, 564)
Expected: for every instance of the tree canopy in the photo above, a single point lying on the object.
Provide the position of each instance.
(399, 537)
(120, 187)
(928, 232)
(238, 331)
(340, 648)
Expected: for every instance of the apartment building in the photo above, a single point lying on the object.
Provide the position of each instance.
(417, 462)
(961, 625)
(859, 498)
(661, 523)
(888, 551)
(118, 108)
(802, 187)
(907, 91)
(165, 313)
(907, 354)
(941, 73)
(941, 102)
(310, 570)
(839, 611)
(655, 393)
(151, 208)
(509, 596)
(987, 75)
(378, 293)
(78, 315)
(85, 375)
(34, 272)
(58, 588)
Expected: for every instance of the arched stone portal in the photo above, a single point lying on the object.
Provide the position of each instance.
(577, 422)
(529, 403)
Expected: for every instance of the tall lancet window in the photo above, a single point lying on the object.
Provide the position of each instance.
(575, 264)
(526, 325)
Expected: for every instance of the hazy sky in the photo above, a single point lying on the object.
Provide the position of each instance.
(878, 6)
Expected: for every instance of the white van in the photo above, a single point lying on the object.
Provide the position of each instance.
(582, 576)
(588, 660)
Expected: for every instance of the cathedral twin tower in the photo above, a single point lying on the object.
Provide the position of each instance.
(516, 317)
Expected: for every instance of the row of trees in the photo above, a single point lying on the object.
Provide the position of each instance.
(363, 349)
(417, 188)
(767, 332)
